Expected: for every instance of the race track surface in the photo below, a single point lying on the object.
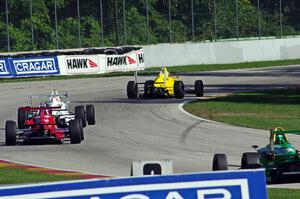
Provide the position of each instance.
(143, 129)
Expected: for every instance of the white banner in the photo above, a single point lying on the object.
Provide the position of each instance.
(82, 64)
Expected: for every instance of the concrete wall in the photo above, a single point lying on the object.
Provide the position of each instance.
(221, 52)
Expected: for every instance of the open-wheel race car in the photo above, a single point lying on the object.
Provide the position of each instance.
(42, 125)
(164, 85)
(279, 158)
(63, 115)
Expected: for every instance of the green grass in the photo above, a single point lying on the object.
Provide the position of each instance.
(262, 110)
(153, 71)
(278, 193)
(19, 176)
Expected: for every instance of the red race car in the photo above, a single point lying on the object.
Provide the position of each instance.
(41, 125)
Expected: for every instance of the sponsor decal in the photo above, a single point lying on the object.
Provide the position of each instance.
(247, 184)
(36, 66)
(119, 61)
(140, 58)
(81, 63)
(3, 68)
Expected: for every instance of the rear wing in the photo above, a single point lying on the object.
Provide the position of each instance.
(54, 93)
(39, 108)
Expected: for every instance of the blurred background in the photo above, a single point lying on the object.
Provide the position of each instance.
(27, 25)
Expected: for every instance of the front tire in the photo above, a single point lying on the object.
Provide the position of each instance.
(22, 116)
(179, 89)
(80, 114)
(250, 160)
(220, 162)
(10, 133)
(75, 134)
(90, 114)
(199, 88)
(132, 90)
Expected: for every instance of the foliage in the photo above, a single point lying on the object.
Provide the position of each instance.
(211, 21)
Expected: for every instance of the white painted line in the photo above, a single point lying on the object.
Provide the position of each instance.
(180, 107)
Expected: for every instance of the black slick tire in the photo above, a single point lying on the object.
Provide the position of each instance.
(80, 114)
(90, 114)
(81, 129)
(179, 89)
(10, 133)
(199, 88)
(220, 162)
(22, 116)
(250, 160)
(148, 88)
(132, 90)
(75, 134)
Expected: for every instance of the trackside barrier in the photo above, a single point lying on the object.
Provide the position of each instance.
(243, 184)
(5, 70)
(73, 63)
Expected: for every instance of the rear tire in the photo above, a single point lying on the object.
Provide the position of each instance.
(132, 90)
(250, 160)
(148, 88)
(220, 162)
(90, 114)
(75, 134)
(10, 133)
(179, 89)
(199, 88)
(81, 129)
(80, 114)
(22, 116)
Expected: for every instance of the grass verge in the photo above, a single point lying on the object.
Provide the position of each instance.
(261, 110)
(177, 69)
(19, 176)
(278, 193)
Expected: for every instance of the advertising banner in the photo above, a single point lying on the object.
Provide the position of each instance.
(5, 70)
(78, 64)
(241, 184)
(127, 62)
(40, 66)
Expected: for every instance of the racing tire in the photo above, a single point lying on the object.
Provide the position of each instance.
(276, 176)
(10, 133)
(250, 160)
(132, 90)
(81, 129)
(199, 88)
(22, 116)
(80, 114)
(148, 88)
(75, 133)
(90, 114)
(220, 162)
(179, 89)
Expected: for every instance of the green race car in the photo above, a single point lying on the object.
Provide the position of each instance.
(279, 158)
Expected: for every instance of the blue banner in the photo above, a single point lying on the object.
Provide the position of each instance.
(241, 184)
(5, 70)
(34, 66)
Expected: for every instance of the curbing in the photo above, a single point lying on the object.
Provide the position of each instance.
(48, 170)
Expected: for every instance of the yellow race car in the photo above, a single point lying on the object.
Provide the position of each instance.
(164, 85)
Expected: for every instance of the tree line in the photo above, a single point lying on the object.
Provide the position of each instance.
(32, 24)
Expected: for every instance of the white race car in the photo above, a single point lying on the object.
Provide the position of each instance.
(62, 111)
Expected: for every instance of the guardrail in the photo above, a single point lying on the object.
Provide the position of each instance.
(86, 61)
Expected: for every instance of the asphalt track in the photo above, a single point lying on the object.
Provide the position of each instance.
(143, 129)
